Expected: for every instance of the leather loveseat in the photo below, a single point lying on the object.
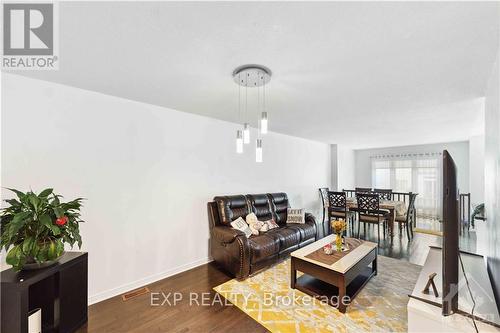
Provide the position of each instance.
(241, 256)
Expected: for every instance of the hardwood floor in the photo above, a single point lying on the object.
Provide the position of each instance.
(416, 250)
(138, 315)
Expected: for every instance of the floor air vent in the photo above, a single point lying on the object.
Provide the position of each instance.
(135, 293)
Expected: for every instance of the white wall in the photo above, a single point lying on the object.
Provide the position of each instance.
(458, 150)
(476, 169)
(147, 173)
(334, 170)
(342, 169)
(492, 174)
(346, 167)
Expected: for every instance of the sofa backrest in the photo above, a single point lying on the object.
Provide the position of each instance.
(260, 204)
(265, 207)
(231, 207)
(279, 206)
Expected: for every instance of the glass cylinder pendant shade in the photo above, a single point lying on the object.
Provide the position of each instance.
(258, 151)
(263, 123)
(246, 133)
(239, 142)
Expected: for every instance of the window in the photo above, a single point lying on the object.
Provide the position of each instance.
(382, 178)
(402, 179)
(420, 175)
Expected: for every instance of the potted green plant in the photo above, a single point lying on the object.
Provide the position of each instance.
(35, 227)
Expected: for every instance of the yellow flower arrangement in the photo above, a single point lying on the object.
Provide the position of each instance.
(338, 226)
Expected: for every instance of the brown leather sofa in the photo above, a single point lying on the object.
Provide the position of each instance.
(241, 256)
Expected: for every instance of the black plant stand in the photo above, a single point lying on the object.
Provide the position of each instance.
(59, 290)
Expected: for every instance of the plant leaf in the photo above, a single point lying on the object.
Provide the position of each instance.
(13, 202)
(47, 222)
(28, 245)
(34, 200)
(18, 222)
(58, 211)
(19, 194)
(46, 192)
(52, 251)
(15, 257)
(55, 201)
(59, 247)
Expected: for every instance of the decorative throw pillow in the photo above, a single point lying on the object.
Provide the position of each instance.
(295, 216)
(255, 225)
(271, 224)
(241, 225)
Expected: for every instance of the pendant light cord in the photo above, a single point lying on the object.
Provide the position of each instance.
(264, 94)
(258, 107)
(239, 98)
(246, 98)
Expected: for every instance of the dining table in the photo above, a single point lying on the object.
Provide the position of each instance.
(395, 208)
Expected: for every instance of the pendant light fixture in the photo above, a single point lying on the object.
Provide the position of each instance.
(263, 123)
(263, 117)
(258, 151)
(239, 142)
(252, 76)
(246, 133)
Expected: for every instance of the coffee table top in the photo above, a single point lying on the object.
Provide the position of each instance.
(343, 264)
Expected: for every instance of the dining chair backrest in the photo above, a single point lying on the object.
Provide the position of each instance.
(411, 204)
(324, 196)
(368, 203)
(363, 190)
(384, 194)
(337, 201)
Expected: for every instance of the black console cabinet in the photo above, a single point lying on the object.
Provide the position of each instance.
(59, 290)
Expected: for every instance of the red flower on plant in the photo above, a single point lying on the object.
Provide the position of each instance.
(62, 220)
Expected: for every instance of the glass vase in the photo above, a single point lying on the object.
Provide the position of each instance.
(338, 242)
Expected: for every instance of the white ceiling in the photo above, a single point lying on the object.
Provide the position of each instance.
(365, 74)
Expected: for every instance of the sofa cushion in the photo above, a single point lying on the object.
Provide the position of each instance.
(231, 207)
(263, 247)
(288, 237)
(271, 224)
(260, 204)
(295, 215)
(241, 225)
(306, 231)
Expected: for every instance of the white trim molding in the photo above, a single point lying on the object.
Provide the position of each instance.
(99, 297)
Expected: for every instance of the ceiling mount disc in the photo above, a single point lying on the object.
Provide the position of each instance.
(252, 75)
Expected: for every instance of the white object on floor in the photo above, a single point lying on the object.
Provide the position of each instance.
(425, 317)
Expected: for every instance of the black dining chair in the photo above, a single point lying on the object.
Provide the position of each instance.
(369, 212)
(323, 192)
(407, 220)
(338, 207)
(384, 194)
(363, 190)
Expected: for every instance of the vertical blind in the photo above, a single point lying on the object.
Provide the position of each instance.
(417, 173)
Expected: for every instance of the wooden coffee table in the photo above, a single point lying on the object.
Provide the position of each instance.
(338, 282)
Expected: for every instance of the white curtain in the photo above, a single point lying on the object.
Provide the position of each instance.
(417, 173)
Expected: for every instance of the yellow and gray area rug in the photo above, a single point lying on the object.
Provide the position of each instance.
(379, 307)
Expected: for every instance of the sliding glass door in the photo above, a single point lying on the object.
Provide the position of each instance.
(417, 173)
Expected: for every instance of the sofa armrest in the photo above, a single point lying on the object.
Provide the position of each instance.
(230, 250)
(310, 219)
(226, 235)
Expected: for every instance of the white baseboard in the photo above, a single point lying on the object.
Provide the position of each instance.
(144, 281)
